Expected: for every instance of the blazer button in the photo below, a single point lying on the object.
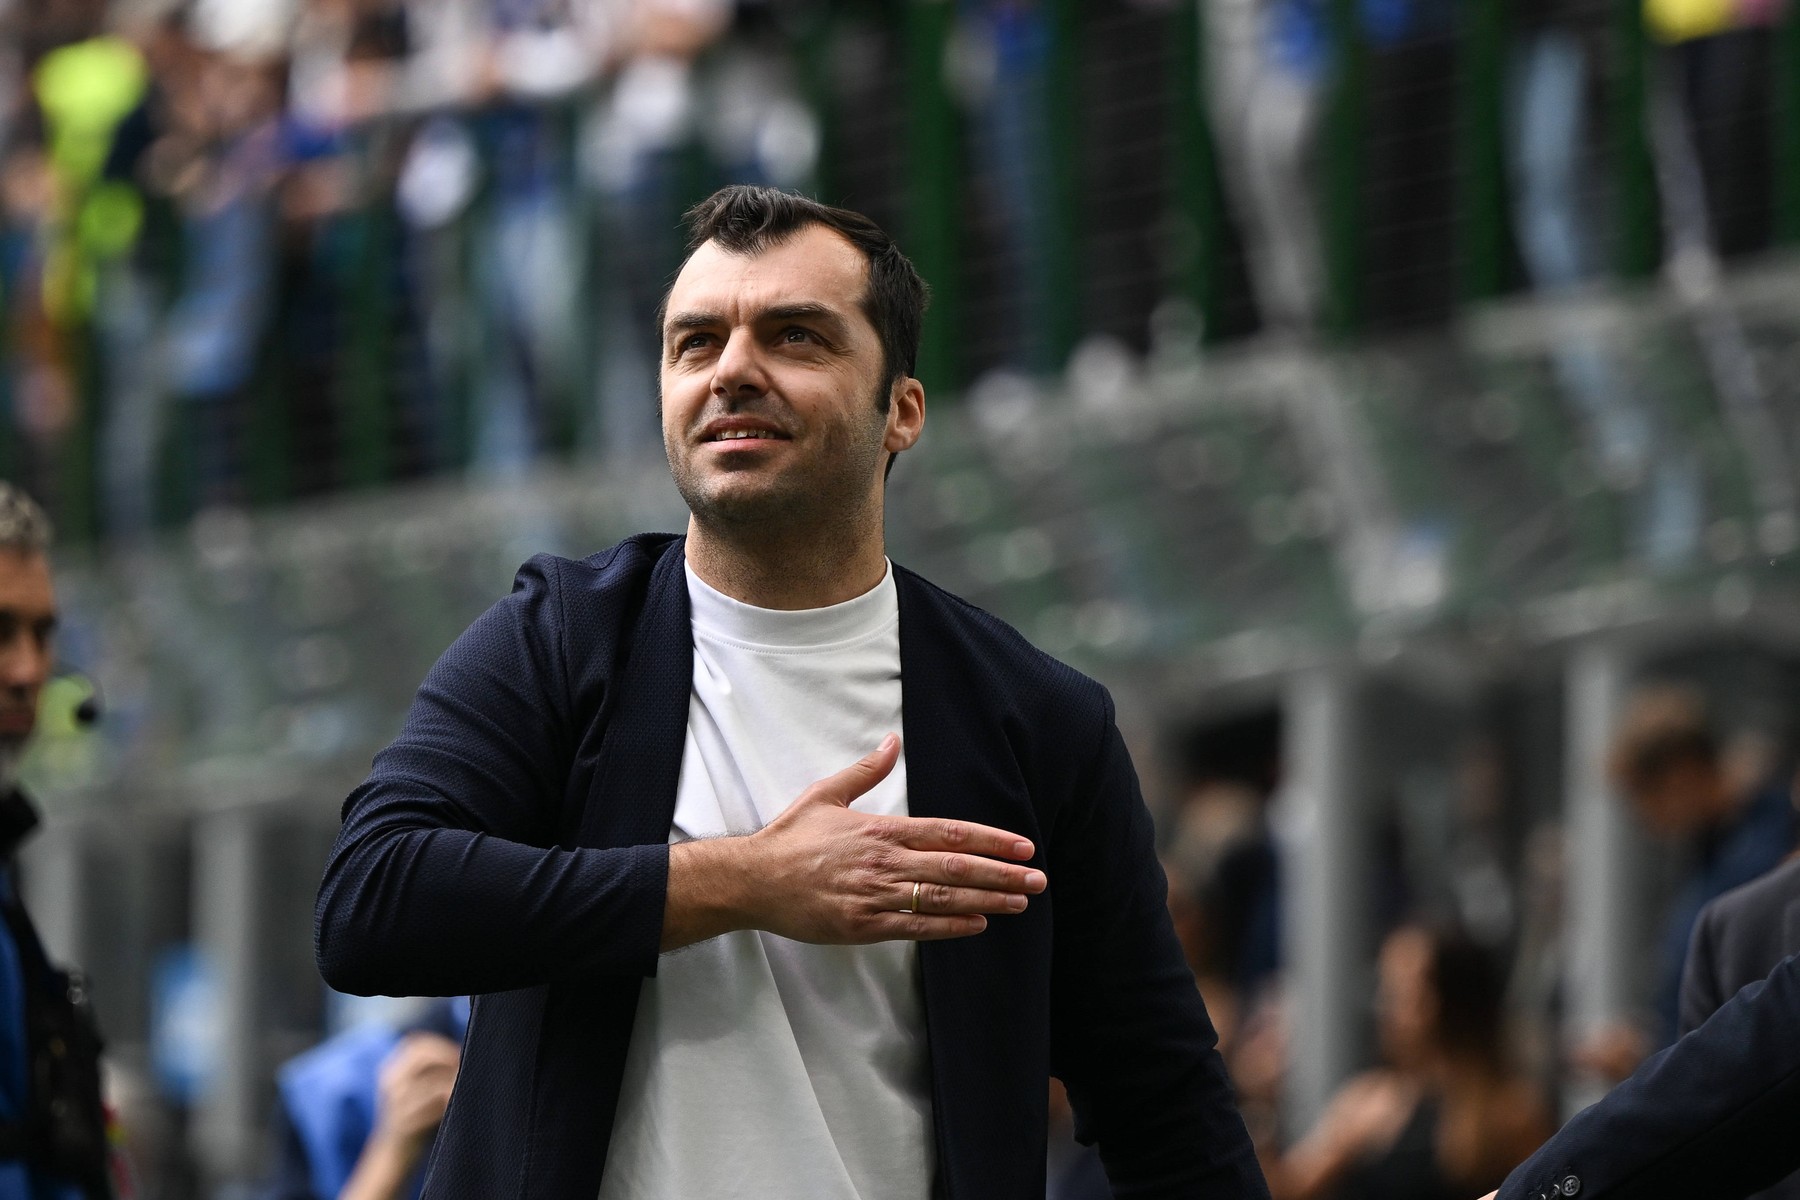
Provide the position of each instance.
(1571, 1185)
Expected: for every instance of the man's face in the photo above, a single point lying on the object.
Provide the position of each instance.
(1681, 799)
(27, 626)
(772, 378)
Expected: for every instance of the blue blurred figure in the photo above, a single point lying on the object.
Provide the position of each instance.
(357, 1112)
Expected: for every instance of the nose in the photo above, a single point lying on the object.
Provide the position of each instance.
(24, 662)
(739, 372)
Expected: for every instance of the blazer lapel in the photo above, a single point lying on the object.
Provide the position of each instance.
(632, 801)
(983, 994)
(586, 1024)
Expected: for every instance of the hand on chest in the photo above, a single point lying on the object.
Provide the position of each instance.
(764, 723)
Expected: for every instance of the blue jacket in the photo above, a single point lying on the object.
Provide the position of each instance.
(513, 843)
(17, 1180)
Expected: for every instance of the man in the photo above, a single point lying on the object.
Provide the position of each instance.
(709, 958)
(52, 1127)
(1669, 764)
(1713, 1115)
(1738, 940)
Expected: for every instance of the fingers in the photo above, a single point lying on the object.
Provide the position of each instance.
(966, 871)
(966, 837)
(941, 899)
(923, 927)
(859, 776)
(421, 1061)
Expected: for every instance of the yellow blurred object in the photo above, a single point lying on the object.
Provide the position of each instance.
(64, 752)
(57, 705)
(1672, 21)
(85, 90)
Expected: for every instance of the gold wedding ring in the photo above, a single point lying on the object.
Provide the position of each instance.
(914, 906)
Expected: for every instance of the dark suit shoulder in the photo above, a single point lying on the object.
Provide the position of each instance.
(1036, 679)
(1762, 899)
(1737, 939)
(635, 555)
(588, 601)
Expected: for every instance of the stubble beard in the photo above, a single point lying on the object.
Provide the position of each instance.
(800, 503)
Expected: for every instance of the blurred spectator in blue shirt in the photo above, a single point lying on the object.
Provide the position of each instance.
(357, 1113)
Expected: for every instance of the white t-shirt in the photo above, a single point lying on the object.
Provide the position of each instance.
(762, 1068)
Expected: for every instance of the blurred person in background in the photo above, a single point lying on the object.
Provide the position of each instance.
(1711, 119)
(53, 1128)
(1407, 212)
(1012, 169)
(135, 285)
(1668, 763)
(526, 249)
(1448, 1115)
(356, 1113)
(1557, 48)
(1266, 60)
(1228, 909)
(633, 156)
(221, 161)
(85, 93)
(38, 381)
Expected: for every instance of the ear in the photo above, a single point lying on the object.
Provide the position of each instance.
(906, 414)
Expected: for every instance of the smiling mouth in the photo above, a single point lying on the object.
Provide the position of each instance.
(747, 435)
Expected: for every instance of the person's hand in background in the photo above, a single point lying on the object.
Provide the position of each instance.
(411, 1096)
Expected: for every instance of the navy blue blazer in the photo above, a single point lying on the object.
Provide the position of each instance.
(1716, 1115)
(1737, 941)
(512, 843)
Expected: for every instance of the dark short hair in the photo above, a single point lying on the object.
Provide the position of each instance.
(748, 220)
(1664, 727)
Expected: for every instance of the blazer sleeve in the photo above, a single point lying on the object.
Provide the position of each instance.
(1702, 990)
(446, 878)
(1713, 1115)
(1131, 1039)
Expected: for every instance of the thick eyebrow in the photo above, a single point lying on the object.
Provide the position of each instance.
(683, 321)
(823, 315)
(817, 314)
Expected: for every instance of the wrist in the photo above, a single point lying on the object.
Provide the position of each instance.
(385, 1167)
(710, 890)
(397, 1149)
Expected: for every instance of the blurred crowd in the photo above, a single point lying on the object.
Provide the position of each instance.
(1471, 1061)
(252, 251)
(231, 226)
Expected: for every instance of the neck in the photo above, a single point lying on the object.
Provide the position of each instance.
(789, 568)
